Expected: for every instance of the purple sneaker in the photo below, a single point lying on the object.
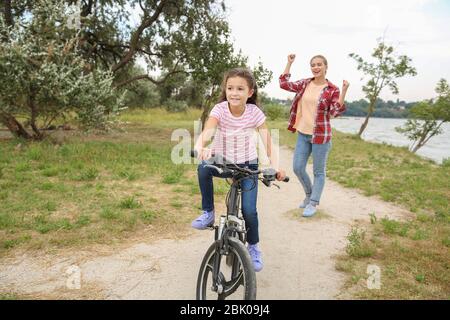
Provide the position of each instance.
(205, 220)
(255, 254)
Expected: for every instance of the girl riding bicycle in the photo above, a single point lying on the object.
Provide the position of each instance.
(235, 119)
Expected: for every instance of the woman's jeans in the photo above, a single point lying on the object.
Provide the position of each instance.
(303, 150)
(248, 197)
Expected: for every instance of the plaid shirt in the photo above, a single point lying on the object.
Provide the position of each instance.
(328, 105)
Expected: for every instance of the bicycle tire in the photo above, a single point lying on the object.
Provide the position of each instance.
(246, 273)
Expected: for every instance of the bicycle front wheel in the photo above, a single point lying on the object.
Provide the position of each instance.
(237, 281)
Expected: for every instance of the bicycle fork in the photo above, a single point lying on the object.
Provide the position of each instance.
(222, 232)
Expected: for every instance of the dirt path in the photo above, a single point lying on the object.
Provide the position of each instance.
(297, 254)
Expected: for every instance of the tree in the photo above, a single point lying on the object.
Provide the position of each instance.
(382, 73)
(142, 94)
(428, 118)
(171, 36)
(189, 39)
(162, 36)
(42, 78)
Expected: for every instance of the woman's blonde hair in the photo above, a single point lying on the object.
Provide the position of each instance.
(321, 57)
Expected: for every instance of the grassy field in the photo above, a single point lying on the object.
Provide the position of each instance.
(98, 188)
(413, 255)
(122, 186)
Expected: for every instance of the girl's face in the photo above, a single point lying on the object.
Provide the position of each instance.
(318, 68)
(237, 91)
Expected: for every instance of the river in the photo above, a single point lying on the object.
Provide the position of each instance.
(383, 130)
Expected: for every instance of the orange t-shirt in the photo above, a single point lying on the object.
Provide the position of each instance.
(307, 107)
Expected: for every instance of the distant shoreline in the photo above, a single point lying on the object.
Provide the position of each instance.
(363, 117)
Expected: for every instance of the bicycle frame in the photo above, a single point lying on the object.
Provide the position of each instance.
(227, 231)
(230, 235)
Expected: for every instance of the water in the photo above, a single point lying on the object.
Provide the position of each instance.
(382, 130)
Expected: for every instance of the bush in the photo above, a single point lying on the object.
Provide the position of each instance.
(173, 105)
(38, 68)
(142, 94)
(275, 111)
(357, 245)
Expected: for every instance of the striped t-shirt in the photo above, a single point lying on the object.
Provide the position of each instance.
(236, 137)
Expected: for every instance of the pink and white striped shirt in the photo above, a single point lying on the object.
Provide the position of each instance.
(236, 137)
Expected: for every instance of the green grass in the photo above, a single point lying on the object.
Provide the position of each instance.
(393, 173)
(110, 214)
(413, 254)
(296, 214)
(94, 187)
(128, 174)
(89, 174)
(8, 296)
(98, 188)
(149, 215)
(10, 243)
(129, 203)
(160, 118)
(357, 246)
(174, 176)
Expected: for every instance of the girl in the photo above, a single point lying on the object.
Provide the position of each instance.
(315, 101)
(236, 117)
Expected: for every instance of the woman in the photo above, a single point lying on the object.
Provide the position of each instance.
(315, 101)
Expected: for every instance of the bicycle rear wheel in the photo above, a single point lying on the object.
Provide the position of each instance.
(237, 281)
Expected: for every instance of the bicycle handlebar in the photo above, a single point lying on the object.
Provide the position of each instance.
(216, 161)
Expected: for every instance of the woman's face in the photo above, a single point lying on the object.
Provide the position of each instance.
(237, 91)
(318, 68)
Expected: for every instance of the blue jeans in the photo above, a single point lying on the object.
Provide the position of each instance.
(248, 197)
(303, 150)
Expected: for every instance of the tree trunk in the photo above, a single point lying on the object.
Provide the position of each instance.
(206, 105)
(416, 147)
(204, 116)
(206, 109)
(87, 8)
(134, 41)
(34, 114)
(7, 14)
(14, 126)
(364, 125)
(366, 121)
(425, 137)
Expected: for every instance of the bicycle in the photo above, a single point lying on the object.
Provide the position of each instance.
(221, 280)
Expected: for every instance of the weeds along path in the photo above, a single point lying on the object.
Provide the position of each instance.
(298, 254)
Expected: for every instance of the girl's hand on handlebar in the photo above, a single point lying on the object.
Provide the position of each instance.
(281, 174)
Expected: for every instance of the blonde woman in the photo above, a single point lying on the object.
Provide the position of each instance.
(316, 100)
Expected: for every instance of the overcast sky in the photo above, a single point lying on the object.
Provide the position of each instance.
(268, 30)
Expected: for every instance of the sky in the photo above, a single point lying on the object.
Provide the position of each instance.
(268, 31)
